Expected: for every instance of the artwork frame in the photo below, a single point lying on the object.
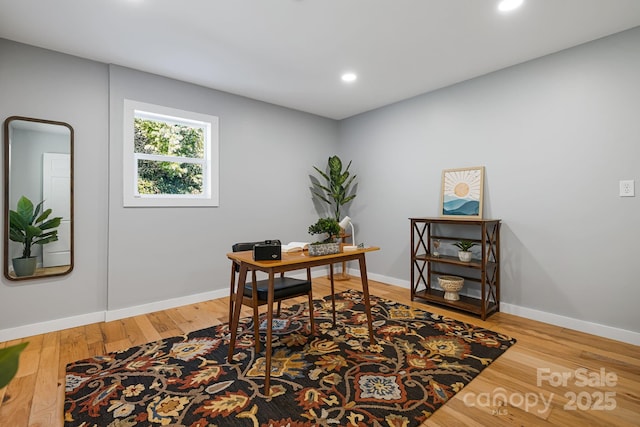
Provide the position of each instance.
(462, 193)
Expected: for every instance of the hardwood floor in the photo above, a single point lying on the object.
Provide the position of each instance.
(603, 390)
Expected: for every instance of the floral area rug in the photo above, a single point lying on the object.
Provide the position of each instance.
(333, 378)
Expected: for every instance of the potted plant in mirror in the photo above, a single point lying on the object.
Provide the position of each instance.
(465, 249)
(30, 227)
(329, 227)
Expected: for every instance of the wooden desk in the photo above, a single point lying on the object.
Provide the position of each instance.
(289, 262)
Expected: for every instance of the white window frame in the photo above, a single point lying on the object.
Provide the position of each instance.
(210, 162)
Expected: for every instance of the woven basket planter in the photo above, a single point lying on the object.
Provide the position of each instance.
(451, 286)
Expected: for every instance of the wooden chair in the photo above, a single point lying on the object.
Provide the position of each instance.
(283, 287)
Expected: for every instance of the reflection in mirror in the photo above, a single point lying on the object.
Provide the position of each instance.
(38, 198)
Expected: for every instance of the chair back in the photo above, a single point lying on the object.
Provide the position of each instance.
(248, 246)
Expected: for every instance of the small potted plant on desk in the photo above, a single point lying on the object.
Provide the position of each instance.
(331, 228)
(465, 249)
(28, 226)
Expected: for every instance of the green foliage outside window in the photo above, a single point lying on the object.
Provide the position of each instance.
(164, 139)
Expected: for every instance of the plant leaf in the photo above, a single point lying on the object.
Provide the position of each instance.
(52, 223)
(42, 217)
(348, 199)
(324, 175)
(16, 236)
(36, 212)
(17, 221)
(25, 209)
(9, 358)
(33, 231)
(44, 241)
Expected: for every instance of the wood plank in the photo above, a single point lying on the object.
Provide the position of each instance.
(45, 410)
(164, 324)
(95, 339)
(17, 401)
(146, 328)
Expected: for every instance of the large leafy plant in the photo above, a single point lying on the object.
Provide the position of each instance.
(28, 226)
(337, 190)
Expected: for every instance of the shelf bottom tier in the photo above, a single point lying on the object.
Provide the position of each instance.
(465, 303)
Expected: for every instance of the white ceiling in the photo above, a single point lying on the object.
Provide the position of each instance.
(292, 52)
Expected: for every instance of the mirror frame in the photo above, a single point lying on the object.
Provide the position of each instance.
(7, 173)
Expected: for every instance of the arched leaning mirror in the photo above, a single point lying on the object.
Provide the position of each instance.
(38, 198)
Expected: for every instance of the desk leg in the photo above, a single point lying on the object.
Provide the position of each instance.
(267, 354)
(237, 307)
(232, 290)
(256, 315)
(333, 298)
(365, 291)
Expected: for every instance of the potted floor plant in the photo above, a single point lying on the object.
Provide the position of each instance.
(330, 228)
(337, 190)
(29, 226)
(464, 254)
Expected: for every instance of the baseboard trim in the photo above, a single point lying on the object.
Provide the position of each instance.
(50, 326)
(617, 334)
(9, 334)
(610, 332)
(163, 305)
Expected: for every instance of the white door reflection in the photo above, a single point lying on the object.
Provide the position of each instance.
(56, 179)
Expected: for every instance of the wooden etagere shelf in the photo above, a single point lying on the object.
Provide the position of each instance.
(425, 268)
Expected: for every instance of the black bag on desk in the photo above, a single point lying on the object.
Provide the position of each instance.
(270, 250)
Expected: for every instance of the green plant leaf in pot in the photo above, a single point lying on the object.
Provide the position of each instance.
(465, 245)
(9, 358)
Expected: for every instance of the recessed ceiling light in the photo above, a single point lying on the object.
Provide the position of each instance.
(349, 77)
(509, 5)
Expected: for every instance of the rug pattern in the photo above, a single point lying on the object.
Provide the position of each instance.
(333, 378)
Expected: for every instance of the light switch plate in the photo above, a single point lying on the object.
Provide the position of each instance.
(627, 188)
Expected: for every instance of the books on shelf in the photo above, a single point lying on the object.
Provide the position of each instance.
(295, 247)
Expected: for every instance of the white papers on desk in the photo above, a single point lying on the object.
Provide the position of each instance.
(295, 247)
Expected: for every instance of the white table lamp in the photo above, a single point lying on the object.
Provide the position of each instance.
(343, 224)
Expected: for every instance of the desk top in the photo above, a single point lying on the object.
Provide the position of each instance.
(295, 258)
(454, 220)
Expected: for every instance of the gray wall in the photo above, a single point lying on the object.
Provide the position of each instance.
(266, 154)
(48, 85)
(556, 135)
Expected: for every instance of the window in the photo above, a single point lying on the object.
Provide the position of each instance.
(170, 156)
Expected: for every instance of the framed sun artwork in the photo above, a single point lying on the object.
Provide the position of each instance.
(462, 192)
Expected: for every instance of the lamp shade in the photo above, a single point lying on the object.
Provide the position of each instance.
(343, 224)
(345, 221)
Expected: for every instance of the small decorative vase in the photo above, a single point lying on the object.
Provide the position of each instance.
(451, 285)
(465, 256)
(323, 249)
(24, 266)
